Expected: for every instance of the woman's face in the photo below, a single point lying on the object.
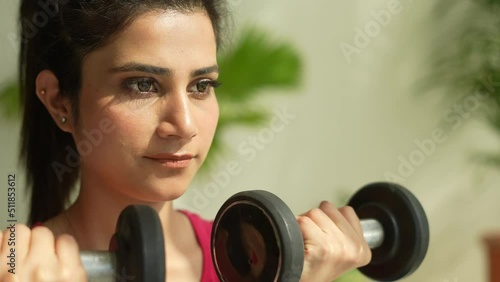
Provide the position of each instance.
(149, 95)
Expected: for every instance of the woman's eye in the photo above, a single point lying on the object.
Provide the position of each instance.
(141, 85)
(203, 87)
(144, 86)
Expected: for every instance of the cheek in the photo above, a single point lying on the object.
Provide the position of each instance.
(131, 130)
(110, 131)
(208, 120)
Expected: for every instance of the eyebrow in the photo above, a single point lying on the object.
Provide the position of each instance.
(203, 71)
(129, 67)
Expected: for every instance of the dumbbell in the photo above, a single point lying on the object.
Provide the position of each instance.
(136, 251)
(256, 237)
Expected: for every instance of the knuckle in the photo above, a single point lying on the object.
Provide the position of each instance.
(314, 213)
(17, 233)
(22, 228)
(312, 252)
(326, 205)
(351, 253)
(41, 231)
(303, 220)
(17, 228)
(66, 240)
(41, 273)
(359, 254)
(348, 210)
(69, 274)
(55, 272)
(330, 253)
(323, 253)
(367, 256)
(66, 274)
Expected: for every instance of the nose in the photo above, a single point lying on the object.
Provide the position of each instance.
(176, 117)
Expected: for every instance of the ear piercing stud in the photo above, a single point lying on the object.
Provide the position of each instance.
(63, 119)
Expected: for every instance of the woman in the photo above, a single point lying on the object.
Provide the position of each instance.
(119, 95)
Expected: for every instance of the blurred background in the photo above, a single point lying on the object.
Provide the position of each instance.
(381, 90)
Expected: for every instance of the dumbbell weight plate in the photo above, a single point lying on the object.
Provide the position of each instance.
(255, 237)
(406, 229)
(138, 243)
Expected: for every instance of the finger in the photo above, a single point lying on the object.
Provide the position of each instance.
(311, 232)
(22, 241)
(353, 219)
(41, 260)
(9, 237)
(323, 221)
(14, 243)
(68, 254)
(67, 251)
(42, 242)
(337, 217)
(319, 246)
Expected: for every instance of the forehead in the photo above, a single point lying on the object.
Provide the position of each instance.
(163, 38)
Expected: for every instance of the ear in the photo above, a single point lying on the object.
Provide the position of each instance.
(59, 107)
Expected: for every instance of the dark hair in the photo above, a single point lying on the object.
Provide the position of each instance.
(57, 35)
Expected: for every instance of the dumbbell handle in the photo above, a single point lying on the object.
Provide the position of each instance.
(99, 265)
(373, 232)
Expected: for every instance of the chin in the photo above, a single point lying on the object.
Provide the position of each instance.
(167, 190)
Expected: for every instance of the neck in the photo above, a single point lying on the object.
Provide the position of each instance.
(94, 215)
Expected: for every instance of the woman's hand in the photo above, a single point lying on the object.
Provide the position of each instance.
(333, 242)
(39, 256)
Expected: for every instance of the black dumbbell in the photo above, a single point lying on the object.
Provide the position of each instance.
(256, 236)
(136, 251)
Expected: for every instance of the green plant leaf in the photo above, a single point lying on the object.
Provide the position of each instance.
(10, 100)
(255, 63)
(352, 276)
(466, 57)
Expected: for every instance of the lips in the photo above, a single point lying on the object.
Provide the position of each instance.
(172, 160)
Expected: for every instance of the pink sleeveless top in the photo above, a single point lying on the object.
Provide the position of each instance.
(203, 231)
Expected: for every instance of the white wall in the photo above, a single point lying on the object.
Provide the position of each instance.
(354, 121)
